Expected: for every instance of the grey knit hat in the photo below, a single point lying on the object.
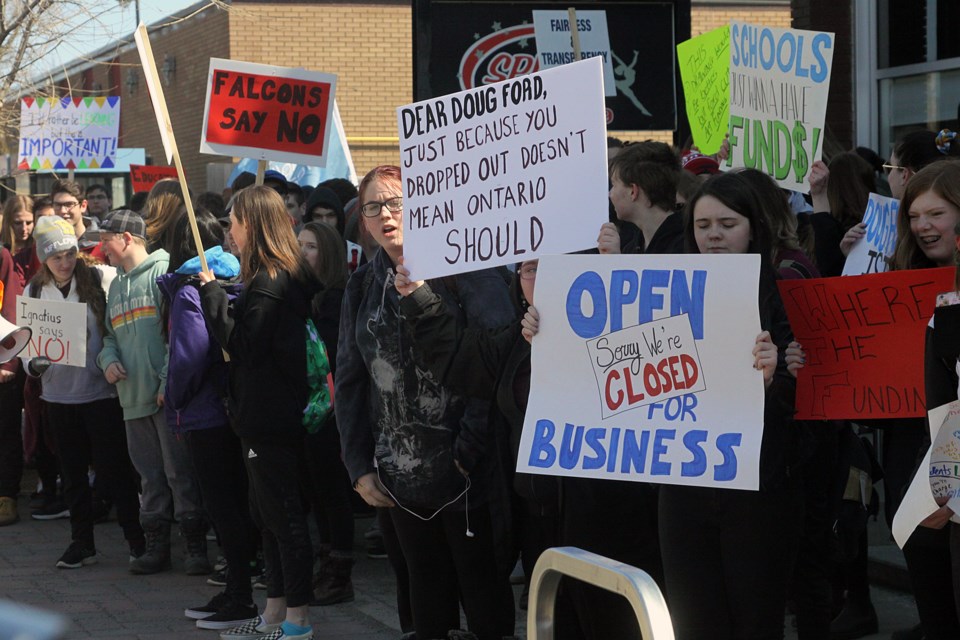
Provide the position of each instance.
(53, 234)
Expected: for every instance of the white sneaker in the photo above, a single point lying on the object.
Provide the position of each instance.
(255, 629)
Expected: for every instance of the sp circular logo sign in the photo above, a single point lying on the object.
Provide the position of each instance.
(502, 55)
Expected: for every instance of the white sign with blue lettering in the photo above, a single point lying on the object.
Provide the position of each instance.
(779, 84)
(871, 252)
(657, 381)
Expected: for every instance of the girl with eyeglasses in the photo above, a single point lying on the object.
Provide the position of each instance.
(412, 445)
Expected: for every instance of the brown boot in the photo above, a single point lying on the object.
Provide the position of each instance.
(335, 585)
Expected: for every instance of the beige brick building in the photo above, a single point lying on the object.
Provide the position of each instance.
(367, 44)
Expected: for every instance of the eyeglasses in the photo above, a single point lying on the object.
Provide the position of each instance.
(66, 205)
(372, 209)
(528, 272)
(890, 167)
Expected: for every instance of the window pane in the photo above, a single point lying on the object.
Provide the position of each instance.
(948, 44)
(902, 32)
(925, 101)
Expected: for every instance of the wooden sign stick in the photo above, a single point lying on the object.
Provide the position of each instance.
(574, 33)
(166, 130)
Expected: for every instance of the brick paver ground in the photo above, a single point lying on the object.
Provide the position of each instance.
(106, 601)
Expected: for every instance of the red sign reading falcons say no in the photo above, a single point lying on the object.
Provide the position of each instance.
(268, 113)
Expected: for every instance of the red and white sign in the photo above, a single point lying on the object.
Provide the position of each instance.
(143, 177)
(59, 330)
(268, 113)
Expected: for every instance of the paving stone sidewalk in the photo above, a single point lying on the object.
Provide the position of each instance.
(105, 601)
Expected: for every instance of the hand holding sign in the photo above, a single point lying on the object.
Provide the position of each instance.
(765, 357)
(405, 286)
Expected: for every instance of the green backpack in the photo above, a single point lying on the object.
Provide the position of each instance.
(320, 404)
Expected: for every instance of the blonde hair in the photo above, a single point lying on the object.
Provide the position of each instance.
(16, 204)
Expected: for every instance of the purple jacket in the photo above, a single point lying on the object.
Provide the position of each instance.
(196, 391)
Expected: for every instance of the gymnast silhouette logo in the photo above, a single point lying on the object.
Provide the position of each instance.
(624, 75)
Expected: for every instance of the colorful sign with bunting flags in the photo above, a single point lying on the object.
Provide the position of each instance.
(59, 134)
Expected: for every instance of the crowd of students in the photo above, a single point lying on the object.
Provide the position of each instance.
(203, 392)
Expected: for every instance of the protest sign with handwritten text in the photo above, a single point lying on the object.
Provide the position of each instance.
(555, 45)
(643, 370)
(779, 82)
(705, 69)
(268, 113)
(59, 330)
(504, 172)
(68, 133)
(863, 337)
(871, 253)
(143, 177)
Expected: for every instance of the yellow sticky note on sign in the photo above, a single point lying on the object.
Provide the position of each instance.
(705, 70)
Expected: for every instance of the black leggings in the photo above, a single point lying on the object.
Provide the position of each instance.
(445, 565)
(330, 488)
(727, 556)
(215, 455)
(94, 432)
(277, 510)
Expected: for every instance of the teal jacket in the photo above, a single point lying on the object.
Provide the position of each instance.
(135, 336)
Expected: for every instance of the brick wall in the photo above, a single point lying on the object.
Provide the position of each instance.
(192, 43)
(368, 46)
(836, 17)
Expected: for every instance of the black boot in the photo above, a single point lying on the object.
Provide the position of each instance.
(156, 557)
(856, 620)
(335, 585)
(193, 529)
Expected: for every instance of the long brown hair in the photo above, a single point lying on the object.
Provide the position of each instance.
(163, 209)
(89, 290)
(270, 244)
(14, 205)
(332, 255)
(848, 189)
(942, 178)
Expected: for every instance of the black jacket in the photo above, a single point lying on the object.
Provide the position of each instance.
(264, 332)
(390, 408)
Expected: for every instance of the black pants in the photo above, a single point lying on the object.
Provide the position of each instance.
(813, 568)
(215, 455)
(277, 510)
(617, 520)
(87, 433)
(727, 556)
(331, 488)
(400, 570)
(929, 562)
(11, 435)
(445, 563)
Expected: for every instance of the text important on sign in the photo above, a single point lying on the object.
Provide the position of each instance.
(268, 113)
(658, 382)
(505, 172)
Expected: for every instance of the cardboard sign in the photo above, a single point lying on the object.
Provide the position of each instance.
(643, 370)
(705, 70)
(68, 133)
(144, 177)
(863, 337)
(504, 173)
(779, 82)
(944, 463)
(268, 113)
(555, 46)
(918, 502)
(59, 330)
(871, 253)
